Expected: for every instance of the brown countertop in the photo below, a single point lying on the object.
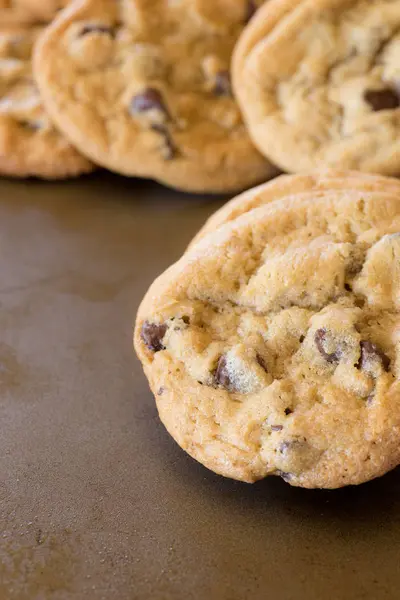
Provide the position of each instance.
(96, 500)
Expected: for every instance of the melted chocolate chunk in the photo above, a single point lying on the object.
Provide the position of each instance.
(288, 411)
(222, 85)
(96, 29)
(370, 399)
(285, 446)
(251, 10)
(152, 335)
(149, 99)
(370, 351)
(285, 476)
(221, 374)
(32, 125)
(386, 99)
(262, 363)
(292, 445)
(276, 427)
(320, 339)
(169, 149)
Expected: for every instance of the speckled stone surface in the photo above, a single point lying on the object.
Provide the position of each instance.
(96, 500)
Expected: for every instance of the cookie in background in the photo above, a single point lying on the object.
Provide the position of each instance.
(317, 81)
(42, 10)
(145, 90)
(30, 145)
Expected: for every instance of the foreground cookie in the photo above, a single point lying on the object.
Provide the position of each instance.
(272, 347)
(145, 90)
(318, 83)
(293, 185)
(29, 143)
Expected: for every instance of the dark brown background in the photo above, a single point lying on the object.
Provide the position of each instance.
(96, 501)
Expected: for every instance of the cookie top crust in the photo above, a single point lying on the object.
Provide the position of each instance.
(29, 143)
(272, 347)
(290, 185)
(145, 90)
(45, 10)
(318, 83)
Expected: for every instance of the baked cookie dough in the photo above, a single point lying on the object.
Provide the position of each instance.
(44, 10)
(291, 185)
(318, 83)
(273, 347)
(29, 143)
(143, 88)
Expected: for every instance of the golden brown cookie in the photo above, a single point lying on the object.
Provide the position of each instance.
(145, 90)
(44, 10)
(272, 347)
(29, 143)
(290, 185)
(317, 81)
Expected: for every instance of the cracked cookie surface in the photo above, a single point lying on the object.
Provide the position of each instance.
(272, 347)
(291, 185)
(29, 143)
(318, 83)
(145, 90)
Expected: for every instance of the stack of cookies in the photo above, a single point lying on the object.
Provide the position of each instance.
(272, 346)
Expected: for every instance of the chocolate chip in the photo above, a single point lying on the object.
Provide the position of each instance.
(32, 125)
(301, 339)
(285, 476)
(386, 99)
(169, 149)
(160, 391)
(359, 302)
(320, 339)
(251, 10)
(292, 445)
(354, 267)
(152, 335)
(222, 85)
(149, 99)
(221, 374)
(262, 363)
(276, 427)
(186, 319)
(285, 446)
(288, 411)
(96, 29)
(347, 287)
(370, 398)
(370, 351)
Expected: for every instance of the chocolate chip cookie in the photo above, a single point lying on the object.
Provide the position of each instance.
(318, 83)
(143, 88)
(29, 143)
(12, 15)
(44, 10)
(273, 346)
(291, 185)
